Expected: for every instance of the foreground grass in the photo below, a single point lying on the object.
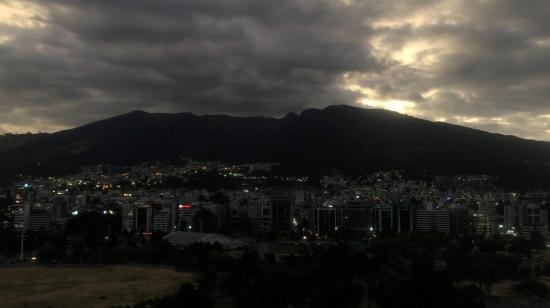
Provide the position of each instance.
(85, 287)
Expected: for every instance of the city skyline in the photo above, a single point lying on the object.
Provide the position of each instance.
(480, 64)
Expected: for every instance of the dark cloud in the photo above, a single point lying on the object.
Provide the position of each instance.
(478, 63)
(95, 58)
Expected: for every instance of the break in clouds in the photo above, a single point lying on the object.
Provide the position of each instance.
(481, 64)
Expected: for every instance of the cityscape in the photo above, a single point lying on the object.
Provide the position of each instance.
(167, 214)
(165, 198)
(274, 154)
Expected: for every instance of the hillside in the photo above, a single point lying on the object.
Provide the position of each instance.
(337, 138)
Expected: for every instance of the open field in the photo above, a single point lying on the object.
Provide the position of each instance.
(85, 287)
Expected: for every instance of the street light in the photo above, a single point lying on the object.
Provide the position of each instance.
(22, 242)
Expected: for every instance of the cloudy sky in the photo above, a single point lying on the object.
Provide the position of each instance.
(478, 63)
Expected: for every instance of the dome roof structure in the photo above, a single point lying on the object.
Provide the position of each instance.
(184, 239)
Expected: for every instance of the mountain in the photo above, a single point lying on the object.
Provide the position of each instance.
(338, 138)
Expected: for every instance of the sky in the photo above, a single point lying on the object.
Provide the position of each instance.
(482, 64)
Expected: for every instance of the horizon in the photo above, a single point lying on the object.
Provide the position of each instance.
(268, 117)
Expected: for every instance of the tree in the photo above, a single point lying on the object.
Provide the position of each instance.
(538, 241)
(486, 274)
(488, 246)
(90, 227)
(520, 246)
(239, 224)
(531, 287)
(220, 197)
(187, 296)
(204, 221)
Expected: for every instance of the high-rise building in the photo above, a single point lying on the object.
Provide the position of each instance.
(282, 210)
(5, 202)
(441, 221)
(325, 219)
(40, 220)
(144, 218)
(460, 220)
(489, 217)
(355, 217)
(526, 215)
(164, 218)
(403, 216)
(259, 211)
(185, 216)
(424, 220)
(19, 215)
(24, 199)
(384, 218)
(128, 214)
(438, 220)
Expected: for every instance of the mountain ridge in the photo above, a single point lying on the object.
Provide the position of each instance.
(338, 138)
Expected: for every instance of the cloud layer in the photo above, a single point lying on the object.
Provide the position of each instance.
(480, 63)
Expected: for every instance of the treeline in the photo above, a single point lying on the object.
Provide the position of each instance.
(415, 270)
(96, 238)
(88, 239)
(390, 270)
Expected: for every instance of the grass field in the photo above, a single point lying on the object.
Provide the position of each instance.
(85, 287)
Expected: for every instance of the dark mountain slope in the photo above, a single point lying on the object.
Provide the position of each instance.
(342, 138)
